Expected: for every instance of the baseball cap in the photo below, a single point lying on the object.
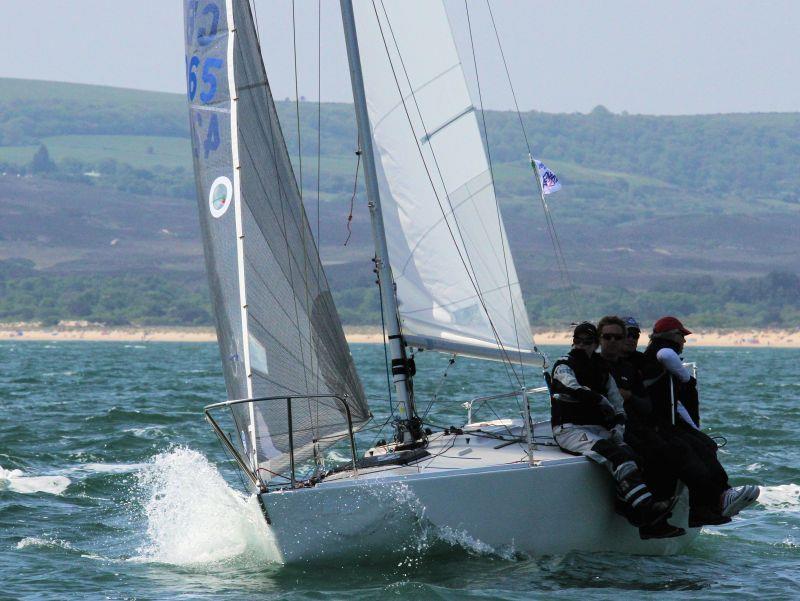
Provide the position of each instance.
(630, 322)
(668, 323)
(585, 329)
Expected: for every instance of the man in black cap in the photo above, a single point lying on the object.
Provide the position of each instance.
(588, 418)
(631, 341)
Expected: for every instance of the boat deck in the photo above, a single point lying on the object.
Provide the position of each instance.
(478, 445)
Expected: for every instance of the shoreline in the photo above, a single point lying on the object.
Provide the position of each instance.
(744, 338)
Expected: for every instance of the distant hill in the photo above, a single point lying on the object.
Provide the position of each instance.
(645, 199)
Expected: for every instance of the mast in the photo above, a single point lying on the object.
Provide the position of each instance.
(409, 428)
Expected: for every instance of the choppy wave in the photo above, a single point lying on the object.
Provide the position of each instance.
(194, 517)
(103, 412)
(17, 481)
(783, 497)
(106, 468)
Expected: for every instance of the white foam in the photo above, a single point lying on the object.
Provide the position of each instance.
(145, 432)
(783, 497)
(33, 541)
(17, 481)
(194, 517)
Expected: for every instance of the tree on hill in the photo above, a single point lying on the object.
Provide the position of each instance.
(41, 162)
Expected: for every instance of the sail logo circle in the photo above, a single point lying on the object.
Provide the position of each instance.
(220, 197)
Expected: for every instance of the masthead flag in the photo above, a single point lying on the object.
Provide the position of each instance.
(547, 178)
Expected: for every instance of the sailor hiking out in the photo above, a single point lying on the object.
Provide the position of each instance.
(674, 419)
(588, 418)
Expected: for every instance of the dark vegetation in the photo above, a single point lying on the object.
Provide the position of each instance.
(26, 294)
(709, 203)
(141, 299)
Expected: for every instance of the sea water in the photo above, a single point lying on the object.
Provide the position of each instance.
(113, 486)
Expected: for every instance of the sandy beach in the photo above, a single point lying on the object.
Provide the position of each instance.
(363, 334)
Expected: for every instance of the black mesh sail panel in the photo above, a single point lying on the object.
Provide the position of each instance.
(279, 333)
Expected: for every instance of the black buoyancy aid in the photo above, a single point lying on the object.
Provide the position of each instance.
(579, 406)
(657, 385)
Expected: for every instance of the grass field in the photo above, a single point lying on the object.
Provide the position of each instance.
(139, 151)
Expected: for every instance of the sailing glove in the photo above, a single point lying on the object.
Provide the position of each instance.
(618, 433)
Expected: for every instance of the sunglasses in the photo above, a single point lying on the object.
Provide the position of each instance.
(584, 341)
(612, 336)
(633, 335)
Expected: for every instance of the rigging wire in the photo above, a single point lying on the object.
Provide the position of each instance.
(435, 395)
(319, 158)
(551, 228)
(353, 198)
(465, 262)
(319, 115)
(297, 101)
(496, 201)
(303, 218)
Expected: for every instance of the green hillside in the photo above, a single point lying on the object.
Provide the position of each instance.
(741, 159)
(106, 180)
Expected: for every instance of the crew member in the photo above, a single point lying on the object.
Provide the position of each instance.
(631, 342)
(656, 458)
(675, 415)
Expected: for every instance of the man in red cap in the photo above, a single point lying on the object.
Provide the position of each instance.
(675, 415)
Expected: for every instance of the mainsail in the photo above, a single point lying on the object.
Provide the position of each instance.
(457, 287)
(278, 330)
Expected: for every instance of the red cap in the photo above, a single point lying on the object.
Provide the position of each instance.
(665, 324)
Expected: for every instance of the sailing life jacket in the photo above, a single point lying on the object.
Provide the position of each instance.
(657, 380)
(628, 377)
(578, 405)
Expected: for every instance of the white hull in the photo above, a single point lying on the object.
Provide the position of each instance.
(561, 504)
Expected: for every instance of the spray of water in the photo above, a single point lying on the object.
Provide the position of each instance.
(194, 517)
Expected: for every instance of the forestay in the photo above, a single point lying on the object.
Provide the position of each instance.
(278, 330)
(457, 287)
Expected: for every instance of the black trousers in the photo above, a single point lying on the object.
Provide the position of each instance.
(672, 453)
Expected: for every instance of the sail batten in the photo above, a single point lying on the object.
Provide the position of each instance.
(457, 286)
(278, 330)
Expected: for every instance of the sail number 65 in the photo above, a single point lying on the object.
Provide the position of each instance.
(208, 76)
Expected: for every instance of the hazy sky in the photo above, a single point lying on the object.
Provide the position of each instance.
(641, 56)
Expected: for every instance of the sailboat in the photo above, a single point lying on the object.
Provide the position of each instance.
(448, 284)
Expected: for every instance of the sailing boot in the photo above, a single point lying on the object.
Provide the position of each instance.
(635, 502)
(706, 516)
(660, 529)
(738, 498)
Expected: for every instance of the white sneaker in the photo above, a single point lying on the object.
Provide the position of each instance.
(737, 498)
